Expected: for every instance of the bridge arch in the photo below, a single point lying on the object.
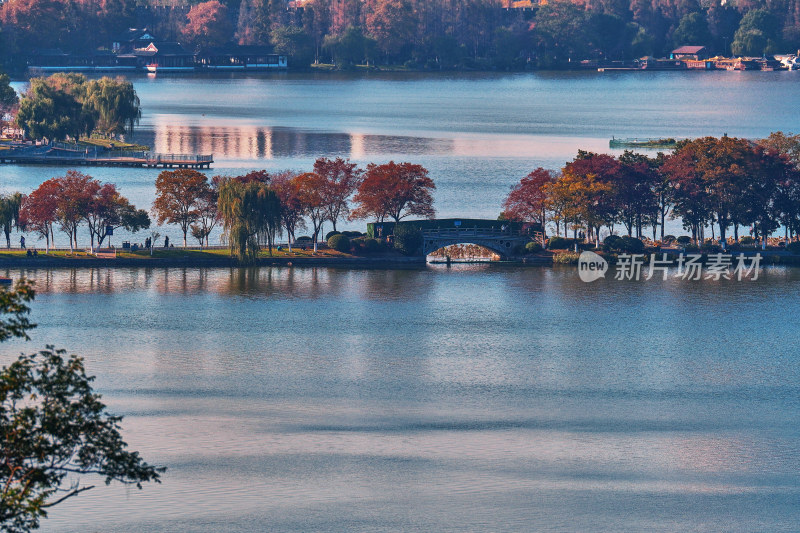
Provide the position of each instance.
(502, 247)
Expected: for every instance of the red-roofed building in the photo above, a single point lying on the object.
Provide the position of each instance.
(689, 52)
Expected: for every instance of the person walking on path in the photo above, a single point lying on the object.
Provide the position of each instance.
(166, 242)
(22, 242)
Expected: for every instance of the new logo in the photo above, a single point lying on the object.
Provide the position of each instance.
(591, 266)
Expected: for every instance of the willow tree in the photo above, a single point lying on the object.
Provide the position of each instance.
(250, 214)
(9, 214)
(114, 105)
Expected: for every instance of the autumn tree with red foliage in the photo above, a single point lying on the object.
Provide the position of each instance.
(394, 191)
(309, 190)
(209, 24)
(107, 208)
(527, 201)
(178, 193)
(292, 211)
(342, 178)
(38, 211)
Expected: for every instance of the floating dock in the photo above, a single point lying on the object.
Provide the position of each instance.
(56, 155)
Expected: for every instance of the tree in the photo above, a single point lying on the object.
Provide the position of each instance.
(310, 191)
(591, 179)
(208, 24)
(107, 208)
(53, 428)
(342, 178)
(758, 33)
(46, 112)
(395, 191)
(9, 214)
(250, 213)
(38, 210)
(291, 204)
(68, 105)
(8, 96)
(75, 193)
(113, 104)
(207, 215)
(391, 23)
(689, 192)
(294, 43)
(636, 200)
(350, 48)
(527, 201)
(692, 30)
(178, 193)
(784, 143)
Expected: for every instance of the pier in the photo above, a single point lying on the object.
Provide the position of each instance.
(76, 155)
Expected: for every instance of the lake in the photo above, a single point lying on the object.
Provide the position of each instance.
(472, 398)
(476, 133)
(476, 397)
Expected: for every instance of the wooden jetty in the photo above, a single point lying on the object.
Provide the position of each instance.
(72, 155)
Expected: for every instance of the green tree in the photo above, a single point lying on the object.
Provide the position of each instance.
(8, 96)
(407, 239)
(758, 33)
(294, 43)
(113, 104)
(250, 214)
(350, 48)
(692, 30)
(562, 34)
(9, 214)
(46, 112)
(53, 428)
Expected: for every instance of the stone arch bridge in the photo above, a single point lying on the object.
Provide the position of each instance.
(499, 236)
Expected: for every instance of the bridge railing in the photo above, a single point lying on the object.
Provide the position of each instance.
(471, 232)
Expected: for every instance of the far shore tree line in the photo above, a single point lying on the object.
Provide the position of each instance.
(445, 34)
(69, 106)
(723, 184)
(252, 209)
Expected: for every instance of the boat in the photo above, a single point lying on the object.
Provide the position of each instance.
(642, 143)
(155, 68)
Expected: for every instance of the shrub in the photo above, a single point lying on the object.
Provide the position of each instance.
(611, 243)
(340, 243)
(407, 239)
(747, 239)
(372, 246)
(668, 239)
(794, 247)
(558, 243)
(303, 238)
(352, 234)
(331, 234)
(566, 258)
(631, 245)
(684, 240)
(533, 248)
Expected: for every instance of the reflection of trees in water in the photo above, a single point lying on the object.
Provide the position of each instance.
(249, 142)
(256, 282)
(465, 252)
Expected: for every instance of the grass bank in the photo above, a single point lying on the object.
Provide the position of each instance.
(197, 258)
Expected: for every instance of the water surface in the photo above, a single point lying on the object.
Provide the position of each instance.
(476, 397)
